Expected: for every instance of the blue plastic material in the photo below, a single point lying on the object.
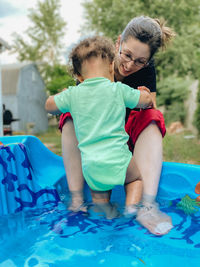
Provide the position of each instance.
(178, 180)
(30, 174)
(32, 177)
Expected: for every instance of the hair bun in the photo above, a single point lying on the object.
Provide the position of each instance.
(166, 33)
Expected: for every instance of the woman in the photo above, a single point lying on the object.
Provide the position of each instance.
(140, 40)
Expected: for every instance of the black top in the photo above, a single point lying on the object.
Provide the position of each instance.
(144, 77)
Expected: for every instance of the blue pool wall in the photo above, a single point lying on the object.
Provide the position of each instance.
(48, 173)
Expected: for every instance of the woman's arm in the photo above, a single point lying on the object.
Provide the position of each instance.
(153, 95)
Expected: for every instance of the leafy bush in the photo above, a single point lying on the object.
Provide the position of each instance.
(175, 112)
(181, 58)
(197, 112)
(172, 92)
(60, 79)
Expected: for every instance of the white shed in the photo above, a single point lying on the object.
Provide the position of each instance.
(23, 93)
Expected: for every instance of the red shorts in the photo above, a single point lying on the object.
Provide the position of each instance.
(63, 118)
(136, 123)
(139, 120)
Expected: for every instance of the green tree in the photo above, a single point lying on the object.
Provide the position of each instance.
(43, 44)
(197, 112)
(59, 79)
(43, 37)
(180, 60)
(173, 93)
(111, 16)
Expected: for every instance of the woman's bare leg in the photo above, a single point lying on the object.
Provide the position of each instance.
(148, 156)
(72, 162)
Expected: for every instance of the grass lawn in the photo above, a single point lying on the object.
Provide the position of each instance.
(52, 139)
(181, 147)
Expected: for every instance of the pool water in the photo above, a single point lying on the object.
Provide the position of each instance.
(37, 230)
(55, 237)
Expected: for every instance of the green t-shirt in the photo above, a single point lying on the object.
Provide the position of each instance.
(98, 108)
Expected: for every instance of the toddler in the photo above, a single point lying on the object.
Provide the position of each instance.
(98, 107)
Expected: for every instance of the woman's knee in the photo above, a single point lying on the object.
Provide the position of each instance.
(153, 130)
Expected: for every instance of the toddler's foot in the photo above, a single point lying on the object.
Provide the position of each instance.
(130, 211)
(157, 222)
(108, 210)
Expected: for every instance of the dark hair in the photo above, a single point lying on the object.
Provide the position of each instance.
(152, 32)
(97, 46)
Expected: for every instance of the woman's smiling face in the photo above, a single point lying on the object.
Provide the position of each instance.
(132, 55)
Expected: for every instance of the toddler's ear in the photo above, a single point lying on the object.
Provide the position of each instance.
(112, 71)
(80, 78)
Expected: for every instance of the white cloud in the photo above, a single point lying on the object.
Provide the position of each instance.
(72, 12)
(14, 18)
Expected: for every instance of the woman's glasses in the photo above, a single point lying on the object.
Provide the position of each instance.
(139, 62)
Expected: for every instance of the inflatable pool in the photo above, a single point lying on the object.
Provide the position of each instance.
(38, 230)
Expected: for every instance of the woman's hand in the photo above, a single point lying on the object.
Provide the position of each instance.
(144, 88)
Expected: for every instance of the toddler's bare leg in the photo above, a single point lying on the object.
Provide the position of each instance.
(101, 200)
(72, 163)
(133, 192)
(99, 197)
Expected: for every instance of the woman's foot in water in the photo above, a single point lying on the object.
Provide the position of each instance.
(157, 222)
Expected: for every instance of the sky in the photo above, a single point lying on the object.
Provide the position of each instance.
(13, 18)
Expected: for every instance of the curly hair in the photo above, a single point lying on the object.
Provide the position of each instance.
(97, 46)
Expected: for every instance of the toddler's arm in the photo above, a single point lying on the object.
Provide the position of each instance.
(51, 107)
(59, 103)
